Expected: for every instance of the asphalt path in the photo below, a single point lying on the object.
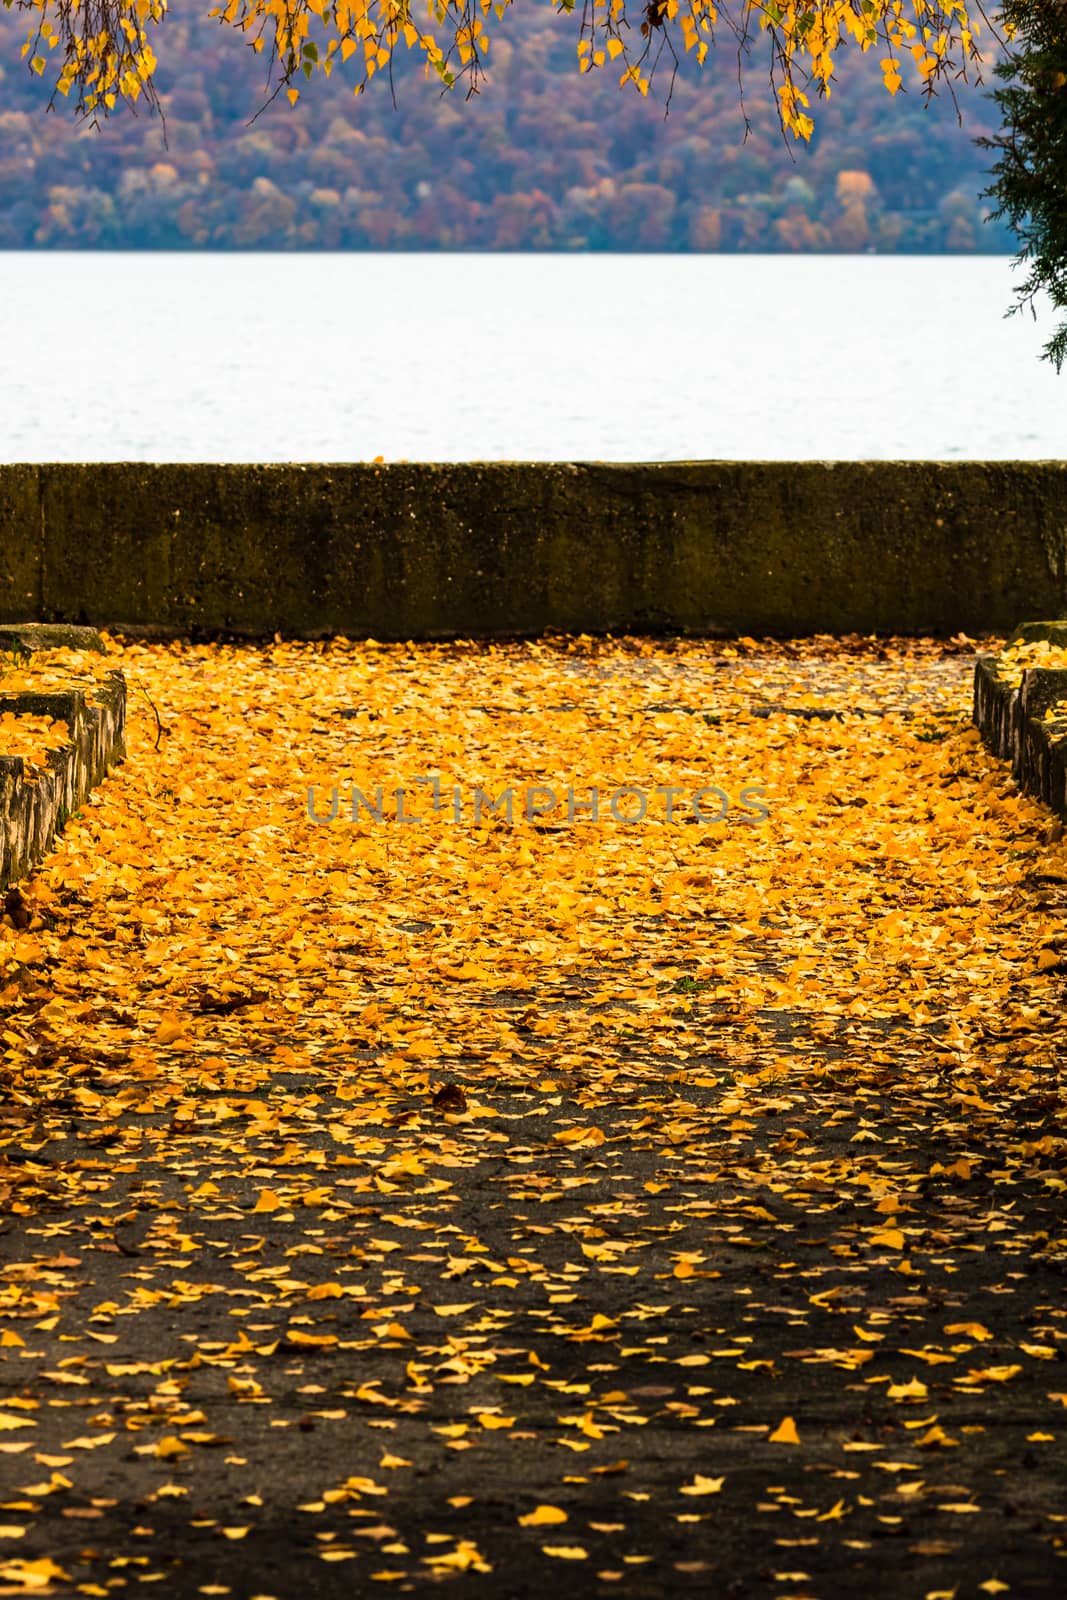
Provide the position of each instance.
(749, 1300)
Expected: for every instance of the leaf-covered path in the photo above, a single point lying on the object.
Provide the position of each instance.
(579, 1206)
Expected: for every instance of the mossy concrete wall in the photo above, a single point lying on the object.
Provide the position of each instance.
(437, 551)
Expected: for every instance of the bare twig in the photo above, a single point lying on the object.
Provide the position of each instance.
(160, 729)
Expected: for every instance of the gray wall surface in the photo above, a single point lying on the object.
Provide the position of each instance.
(410, 551)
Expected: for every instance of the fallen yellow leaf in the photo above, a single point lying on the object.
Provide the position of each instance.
(33, 1574)
(542, 1517)
(912, 1390)
(588, 1137)
(891, 1237)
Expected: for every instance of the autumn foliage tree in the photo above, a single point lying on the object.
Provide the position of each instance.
(101, 52)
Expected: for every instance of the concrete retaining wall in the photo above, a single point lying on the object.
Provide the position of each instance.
(425, 551)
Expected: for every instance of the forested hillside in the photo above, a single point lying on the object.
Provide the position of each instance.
(541, 159)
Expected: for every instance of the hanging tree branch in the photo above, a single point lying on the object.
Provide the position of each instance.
(103, 55)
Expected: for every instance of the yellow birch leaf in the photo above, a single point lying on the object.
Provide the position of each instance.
(586, 1137)
(933, 1437)
(542, 1517)
(170, 1446)
(33, 1574)
(892, 1238)
(170, 1028)
(912, 1390)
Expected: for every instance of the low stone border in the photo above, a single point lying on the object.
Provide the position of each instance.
(34, 807)
(23, 638)
(1011, 716)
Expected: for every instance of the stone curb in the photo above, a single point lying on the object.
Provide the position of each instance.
(33, 809)
(23, 638)
(1011, 718)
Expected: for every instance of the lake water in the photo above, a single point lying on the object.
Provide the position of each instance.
(521, 357)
